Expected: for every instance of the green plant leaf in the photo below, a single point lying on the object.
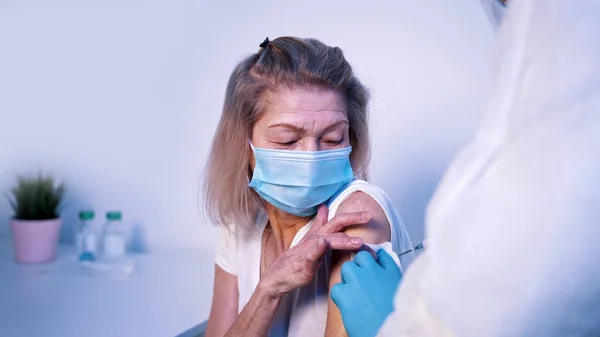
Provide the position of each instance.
(37, 198)
(13, 203)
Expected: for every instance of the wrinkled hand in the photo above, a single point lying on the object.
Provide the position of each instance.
(298, 266)
(366, 295)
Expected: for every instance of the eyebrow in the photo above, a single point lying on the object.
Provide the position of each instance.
(288, 126)
(298, 129)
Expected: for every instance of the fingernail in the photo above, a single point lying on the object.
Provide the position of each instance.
(356, 241)
(367, 216)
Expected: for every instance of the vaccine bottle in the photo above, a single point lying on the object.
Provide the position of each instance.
(86, 239)
(113, 237)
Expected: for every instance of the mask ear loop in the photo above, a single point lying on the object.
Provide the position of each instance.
(250, 171)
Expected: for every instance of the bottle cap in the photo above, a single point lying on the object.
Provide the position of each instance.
(86, 215)
(113, 215)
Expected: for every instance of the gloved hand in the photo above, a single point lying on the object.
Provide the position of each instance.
(366, 295)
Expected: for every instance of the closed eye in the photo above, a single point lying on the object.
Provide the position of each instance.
(333, 141)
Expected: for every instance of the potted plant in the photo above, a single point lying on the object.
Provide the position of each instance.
(36, 224)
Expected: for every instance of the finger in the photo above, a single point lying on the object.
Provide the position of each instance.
(386, 261)
(316, 248)
(320, 219)
(365, 259)
(345, 242)
(341, 241)
(342, 275)
(342, 220)
(367, 248)
(339, 294)
(348, 272)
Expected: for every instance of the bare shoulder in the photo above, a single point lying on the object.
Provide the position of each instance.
(378, 229)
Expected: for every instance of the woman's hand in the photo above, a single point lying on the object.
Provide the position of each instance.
(298, 266)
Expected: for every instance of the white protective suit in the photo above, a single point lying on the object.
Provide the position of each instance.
(514, 227)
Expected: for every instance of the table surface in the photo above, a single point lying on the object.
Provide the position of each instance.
(169, 294)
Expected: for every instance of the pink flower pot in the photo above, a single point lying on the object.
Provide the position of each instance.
(35, 240)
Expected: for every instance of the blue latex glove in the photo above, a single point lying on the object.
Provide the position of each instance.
(366, 295)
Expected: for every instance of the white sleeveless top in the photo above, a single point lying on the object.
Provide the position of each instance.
(302, 312)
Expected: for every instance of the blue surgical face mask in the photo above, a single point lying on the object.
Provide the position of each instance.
(297, 182)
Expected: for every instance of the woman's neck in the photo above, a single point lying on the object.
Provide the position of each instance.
(284, 226)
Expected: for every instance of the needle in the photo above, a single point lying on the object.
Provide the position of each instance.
(417, 247)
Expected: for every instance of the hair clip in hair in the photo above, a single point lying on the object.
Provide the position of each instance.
(264, 43)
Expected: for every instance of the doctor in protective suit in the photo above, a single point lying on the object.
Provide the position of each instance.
(513, 229)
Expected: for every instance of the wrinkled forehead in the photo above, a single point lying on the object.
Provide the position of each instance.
(303, 105)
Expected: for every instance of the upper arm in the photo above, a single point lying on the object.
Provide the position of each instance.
(224, 309)
(376, 231)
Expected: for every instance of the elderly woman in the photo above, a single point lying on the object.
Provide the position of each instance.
(293, 135)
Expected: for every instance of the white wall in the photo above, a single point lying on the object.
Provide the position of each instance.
(121, 98)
